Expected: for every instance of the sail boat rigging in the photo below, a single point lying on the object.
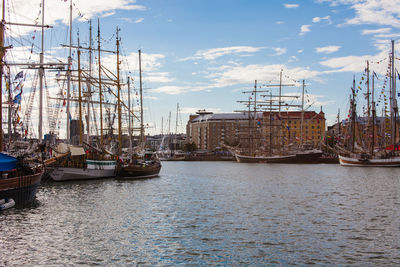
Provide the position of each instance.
(388, 156)
(144, 164)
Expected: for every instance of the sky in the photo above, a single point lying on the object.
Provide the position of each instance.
(204, 54)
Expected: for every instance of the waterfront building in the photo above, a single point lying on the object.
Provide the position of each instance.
(287, 127)
(210, 131)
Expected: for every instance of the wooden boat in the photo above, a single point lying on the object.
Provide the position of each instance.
(18, 181)
(146, 166)
(301, 157)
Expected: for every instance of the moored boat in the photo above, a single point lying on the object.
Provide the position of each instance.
(18, 181)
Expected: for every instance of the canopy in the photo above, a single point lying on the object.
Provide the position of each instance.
(7, 162)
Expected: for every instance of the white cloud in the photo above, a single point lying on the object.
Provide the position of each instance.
(378, 12)
(58, 11)
(171, 89)
(319, 19)
(280, 51)
(280, 22)
(291, 5)
(304, 29)
(139, 20)
(236, 75)
(213, 53)
(300, 51)
(381, 30)
(328, 49)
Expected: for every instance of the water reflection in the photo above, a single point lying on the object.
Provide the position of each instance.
(205, 213)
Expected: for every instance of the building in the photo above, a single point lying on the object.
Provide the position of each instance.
(209, 131)
(289, 129)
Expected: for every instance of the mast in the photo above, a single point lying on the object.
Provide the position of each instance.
(119, 102)
(141, 99)
(279, 111)
(88, 84)
(394, 100)
(270, 123)
(2, 52)
(69, 75)
(129, 116)
(255, 118)
(176, 127)
(10, 104)
(80, 95)
(353, 116)
(373, 117)
(302, 116)
(100, 89)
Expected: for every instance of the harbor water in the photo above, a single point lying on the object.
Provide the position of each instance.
(212, 213)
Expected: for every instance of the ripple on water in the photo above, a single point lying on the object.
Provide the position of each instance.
(213, 213)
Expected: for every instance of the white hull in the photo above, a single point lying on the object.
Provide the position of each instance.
(94, 170)
(374, 162)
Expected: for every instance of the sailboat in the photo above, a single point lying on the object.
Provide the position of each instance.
(143, 164)
(18, 180)
(83, 161)
(372, 155)
(276, 151)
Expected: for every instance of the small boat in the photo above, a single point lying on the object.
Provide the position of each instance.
(6, 203)
(147, 166)
(17, 180)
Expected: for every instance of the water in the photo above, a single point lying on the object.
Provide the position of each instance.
(213, 213)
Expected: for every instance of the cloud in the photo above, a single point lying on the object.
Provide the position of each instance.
(171, 89)
(236, 75)
(381, 30)
(280, 51)
(213, 53)
(280, 22)
(291, 5)
(328, 49)
(376, 12)
(304, 29)
(319, 19)
(58, 11)
(139, 20)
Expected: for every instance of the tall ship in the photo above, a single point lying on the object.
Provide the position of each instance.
(19, 180)
(141, 163)
(86, 160)
(364, 141)
(279, 135)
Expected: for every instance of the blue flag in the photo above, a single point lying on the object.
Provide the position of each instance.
(17, 99)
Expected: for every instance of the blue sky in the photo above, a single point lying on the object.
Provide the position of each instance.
(202, 54)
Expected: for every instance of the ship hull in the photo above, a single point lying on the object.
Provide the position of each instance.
(374, 162)
(298, 158)
(95, 170)
(138, 172)
(22, 189)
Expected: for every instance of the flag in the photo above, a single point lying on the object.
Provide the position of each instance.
(17, 99)
(19, 75)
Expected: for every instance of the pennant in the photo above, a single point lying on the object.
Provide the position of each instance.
(19, 75)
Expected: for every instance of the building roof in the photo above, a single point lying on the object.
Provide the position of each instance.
(223, 116)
